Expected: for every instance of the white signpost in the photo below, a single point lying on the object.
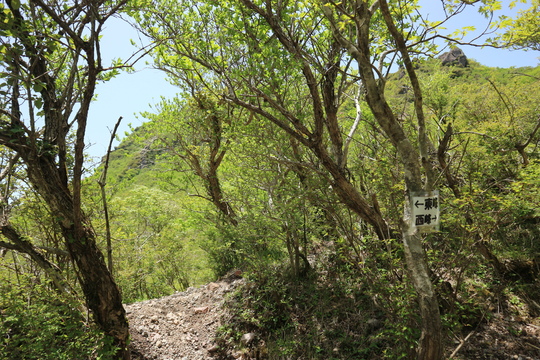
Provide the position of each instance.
(425, 215)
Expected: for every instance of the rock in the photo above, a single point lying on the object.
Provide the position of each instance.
(181, 326)
(247, 339)
(142, 330)
(237, 273)
(213, 287)
(233, 275)
(201, 310)
(404, 89)
(454, 57)
(237, 354)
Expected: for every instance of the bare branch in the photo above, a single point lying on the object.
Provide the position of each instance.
(102, 182)
(355, 124)
(18, 243)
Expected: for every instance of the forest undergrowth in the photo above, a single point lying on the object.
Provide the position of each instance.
(339, 310)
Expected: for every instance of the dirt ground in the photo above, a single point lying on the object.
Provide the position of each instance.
(182, 326)
(502, 338)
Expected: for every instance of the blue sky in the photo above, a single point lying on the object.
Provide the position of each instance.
(126, 95)
(129, 94)
(432, 10)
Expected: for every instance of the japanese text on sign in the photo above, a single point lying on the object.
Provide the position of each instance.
(425, 210)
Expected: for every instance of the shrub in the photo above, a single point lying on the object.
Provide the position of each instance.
(38, 324)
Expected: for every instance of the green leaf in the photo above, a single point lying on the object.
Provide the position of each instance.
(38, 102)
(38, 86)
(16, 4)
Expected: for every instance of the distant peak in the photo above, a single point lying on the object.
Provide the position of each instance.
(454, 57)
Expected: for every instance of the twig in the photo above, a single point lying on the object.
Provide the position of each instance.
(531, 345)
(102, 183)
(461, 344)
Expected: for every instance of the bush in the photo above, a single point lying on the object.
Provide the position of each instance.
(314, 317)
(38, 324)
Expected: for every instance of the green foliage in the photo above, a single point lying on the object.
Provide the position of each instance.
(278, 206)
(155, 244)
(521, 215)
(170, 232)
(37, 324)
(522, 32)
(341, 310)
(313, 318)
(526, 190)
(254, 243)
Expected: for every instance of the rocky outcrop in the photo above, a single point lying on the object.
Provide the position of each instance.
(454, 57)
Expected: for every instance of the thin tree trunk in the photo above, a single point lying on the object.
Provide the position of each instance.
(430, 345)
(453, 184)
(430, 342)
(102, 183)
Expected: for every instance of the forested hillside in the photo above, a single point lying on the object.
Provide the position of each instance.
(307, 257)
(379, 197)
(161, 206)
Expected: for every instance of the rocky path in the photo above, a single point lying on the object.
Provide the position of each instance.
(181, 326)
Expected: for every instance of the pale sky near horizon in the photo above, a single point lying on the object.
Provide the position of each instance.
(129, 94)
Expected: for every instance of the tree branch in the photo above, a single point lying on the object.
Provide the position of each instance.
(423, 140)
(19, 244)
(354, 126)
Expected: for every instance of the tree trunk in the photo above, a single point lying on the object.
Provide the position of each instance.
(350, 195)
(430, 347)
(56, 78)
(430, 343)
(101, 292)
(102, 295)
